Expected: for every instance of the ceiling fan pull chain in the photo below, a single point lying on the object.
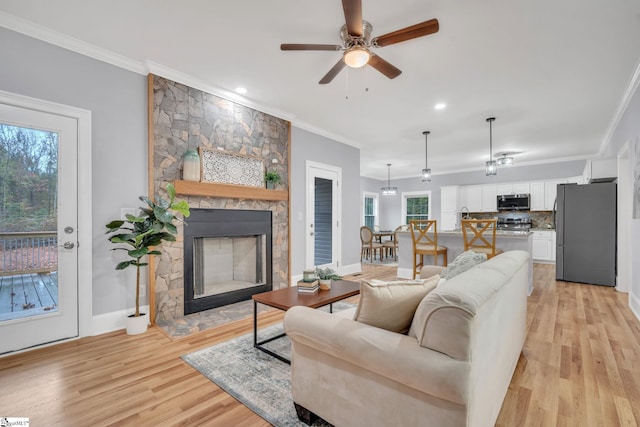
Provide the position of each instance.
(346, 85)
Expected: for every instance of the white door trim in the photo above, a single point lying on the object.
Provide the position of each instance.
(85, 231)
(309, 211)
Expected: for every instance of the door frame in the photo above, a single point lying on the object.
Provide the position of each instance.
(310, 211)
(624, 213)
(83, 118)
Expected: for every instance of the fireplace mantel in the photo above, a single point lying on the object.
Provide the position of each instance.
(211, 189)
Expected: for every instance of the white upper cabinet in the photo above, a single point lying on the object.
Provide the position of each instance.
(472, 198)
(550, 192)
(489, 199)
(521, 188)
(450, 198)
(537, 199)
(503, 189)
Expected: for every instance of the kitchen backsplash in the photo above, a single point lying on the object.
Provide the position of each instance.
(539, 219)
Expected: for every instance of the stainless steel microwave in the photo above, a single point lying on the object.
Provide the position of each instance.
(513, 202)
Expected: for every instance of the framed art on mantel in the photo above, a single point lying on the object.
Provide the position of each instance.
(231, 168)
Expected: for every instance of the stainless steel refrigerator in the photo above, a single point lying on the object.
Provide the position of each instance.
(586, 233)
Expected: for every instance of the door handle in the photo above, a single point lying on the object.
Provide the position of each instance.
(311, 233)
(68, 245)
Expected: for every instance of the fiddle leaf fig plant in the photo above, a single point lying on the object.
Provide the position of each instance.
(137, 235)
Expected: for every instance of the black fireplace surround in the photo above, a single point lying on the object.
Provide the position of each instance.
(206, 223)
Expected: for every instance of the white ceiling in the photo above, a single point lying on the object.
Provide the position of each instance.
(553, 73)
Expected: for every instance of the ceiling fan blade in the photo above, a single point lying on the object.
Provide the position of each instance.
(289, 46)
(422, 29)
(384, 67)
(353, 16)
(332, 72)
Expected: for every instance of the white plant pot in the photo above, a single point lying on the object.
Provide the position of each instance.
(137, 325)
(325, 284)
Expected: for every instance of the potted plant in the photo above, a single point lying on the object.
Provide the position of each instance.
(272, 179)
(325, 276)
(139, 234)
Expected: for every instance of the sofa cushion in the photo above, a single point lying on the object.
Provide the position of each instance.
(462, 263)
(391, 305)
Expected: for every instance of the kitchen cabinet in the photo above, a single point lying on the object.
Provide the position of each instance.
(550, 191)
(536, 196)
(521, 188)
(543, 244)
(473, 198)
(489, 198)
(504, 189)
(450, 204)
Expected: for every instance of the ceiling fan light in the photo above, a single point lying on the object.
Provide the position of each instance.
(504, 160)
(356, 56)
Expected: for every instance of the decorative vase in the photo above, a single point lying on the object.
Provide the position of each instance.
(271, 185)
(136, 325)
(191, 166)
(325, 284)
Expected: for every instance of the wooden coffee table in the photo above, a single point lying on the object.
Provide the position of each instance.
(286, 298)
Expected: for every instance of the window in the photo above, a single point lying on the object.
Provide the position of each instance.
(416, 205)
(370, 209)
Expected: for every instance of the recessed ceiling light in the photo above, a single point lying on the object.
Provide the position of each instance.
(241, 90)
(440, 106)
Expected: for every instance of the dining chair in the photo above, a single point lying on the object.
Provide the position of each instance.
(479, 236)
(368, 246)
(391, 246)
(424, 235)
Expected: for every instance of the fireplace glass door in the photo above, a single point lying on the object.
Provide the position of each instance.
(228, 264)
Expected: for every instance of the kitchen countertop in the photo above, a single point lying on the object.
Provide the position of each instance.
(502, 233)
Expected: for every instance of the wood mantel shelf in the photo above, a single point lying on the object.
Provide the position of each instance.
(233, 191)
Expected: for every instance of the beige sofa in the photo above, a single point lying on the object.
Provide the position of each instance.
(471, 328)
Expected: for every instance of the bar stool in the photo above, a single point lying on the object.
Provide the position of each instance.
(424, 234)
(480, 236)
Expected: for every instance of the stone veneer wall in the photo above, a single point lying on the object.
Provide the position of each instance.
(186, 118)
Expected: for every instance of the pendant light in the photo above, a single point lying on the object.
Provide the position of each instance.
(389, 190)
(426, 172)
(491, 168)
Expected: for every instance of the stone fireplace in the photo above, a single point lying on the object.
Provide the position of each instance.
(227, 257)
(185, 118)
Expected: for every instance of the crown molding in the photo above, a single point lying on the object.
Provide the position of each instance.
(64, 41)
(310, 128)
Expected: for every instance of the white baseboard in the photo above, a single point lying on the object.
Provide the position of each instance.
(404, 273)
(116, 320)
(349, 269)
(634, 304)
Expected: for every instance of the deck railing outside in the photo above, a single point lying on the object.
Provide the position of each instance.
(28, 252)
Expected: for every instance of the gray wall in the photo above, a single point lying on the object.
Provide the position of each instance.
(390, 206)
(309, 146)
(117, 100)
(628, 130)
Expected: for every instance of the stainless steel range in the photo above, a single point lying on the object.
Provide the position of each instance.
(514, 221)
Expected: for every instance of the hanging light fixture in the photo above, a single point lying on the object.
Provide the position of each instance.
(426, 172)
(491, 168)
(504, 160)
(389, 190)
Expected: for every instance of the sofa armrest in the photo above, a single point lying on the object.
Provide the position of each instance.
(394, 356)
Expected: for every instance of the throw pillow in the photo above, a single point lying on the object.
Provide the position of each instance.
(391, 305)
(462, 263)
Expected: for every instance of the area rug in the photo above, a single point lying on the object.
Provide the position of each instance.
(259, 381)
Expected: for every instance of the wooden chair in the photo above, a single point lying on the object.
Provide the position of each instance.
(368, 246)
(480, 236)
(424, 234)
(391, 246)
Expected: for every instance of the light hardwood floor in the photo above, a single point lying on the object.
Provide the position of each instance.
(580, 367)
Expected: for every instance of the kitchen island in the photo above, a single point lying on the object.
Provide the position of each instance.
(505, 240)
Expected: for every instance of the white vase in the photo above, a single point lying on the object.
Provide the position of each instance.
(137, 325)
(325, 284)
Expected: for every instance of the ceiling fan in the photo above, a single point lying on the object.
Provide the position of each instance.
(357, 42)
